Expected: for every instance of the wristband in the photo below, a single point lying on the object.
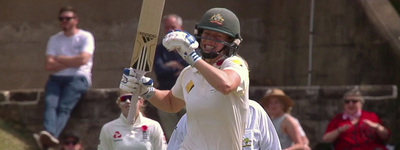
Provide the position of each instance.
(150, 92)
(192, 58)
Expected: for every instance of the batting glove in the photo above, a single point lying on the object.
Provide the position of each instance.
(130, 83)
(184, 43)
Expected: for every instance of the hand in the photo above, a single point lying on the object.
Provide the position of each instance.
(371, 124)
(184, 43)
(343, 128)
(130, 83)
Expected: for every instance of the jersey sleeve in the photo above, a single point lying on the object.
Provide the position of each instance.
(105, 143)
(158, 139)
(177, 89)
(178, 134)
(269, 138)
(238, 65)
(50, 49)
(88, 45)
(333, 124)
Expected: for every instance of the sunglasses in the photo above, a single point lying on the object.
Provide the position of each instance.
(124, 98)
(65, 18)
(352, 101)
(74, 142)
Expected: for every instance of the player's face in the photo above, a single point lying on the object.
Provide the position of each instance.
(124, 103)
(352, 104)
(275, 106)
(171, 24)
(209, 45)
(68, 20)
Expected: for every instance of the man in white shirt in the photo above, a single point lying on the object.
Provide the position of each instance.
(69, 58)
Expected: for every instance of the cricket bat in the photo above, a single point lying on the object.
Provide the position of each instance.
(145, 44)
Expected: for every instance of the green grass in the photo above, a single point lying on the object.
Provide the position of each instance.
(15, 137)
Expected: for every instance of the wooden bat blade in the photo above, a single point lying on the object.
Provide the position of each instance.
(145, 45)
(147, 35)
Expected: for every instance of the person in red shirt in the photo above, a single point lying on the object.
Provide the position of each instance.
(356, 129)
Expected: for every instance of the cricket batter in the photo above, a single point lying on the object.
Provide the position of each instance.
(214, 87)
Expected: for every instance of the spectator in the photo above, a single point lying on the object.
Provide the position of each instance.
(355, 128)
(69, 56)
(144, 134)
(167, 66)
(260, 134)
(278, 106)
(214, 88)
(71, 141)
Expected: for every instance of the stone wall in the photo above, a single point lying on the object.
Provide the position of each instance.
(347, 47)
(314, 107)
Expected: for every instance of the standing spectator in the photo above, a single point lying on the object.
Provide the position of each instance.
(167, 66)
(144, 134)
(69, 56)
(214, 88)
(260, 133)
(355, 128)
(278, 106)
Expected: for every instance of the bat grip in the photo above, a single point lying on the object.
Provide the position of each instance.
(135, 97)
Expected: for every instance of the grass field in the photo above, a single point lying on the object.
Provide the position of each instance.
(15, 137)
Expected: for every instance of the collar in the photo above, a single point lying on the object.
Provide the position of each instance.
(351, 117)
(138, 120)
(219, 62)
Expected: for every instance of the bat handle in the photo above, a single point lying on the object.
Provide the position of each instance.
(135, 97)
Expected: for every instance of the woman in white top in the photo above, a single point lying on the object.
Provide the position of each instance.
(144, 134)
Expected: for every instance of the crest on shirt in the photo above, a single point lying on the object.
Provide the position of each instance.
(246, 142)
(189, 86)
(117, 136)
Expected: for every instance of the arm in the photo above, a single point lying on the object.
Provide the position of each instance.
(291, 128)
(302, 133)
(333, 132)
(225, 81)
(382, 132)
(165, 101)
(74, 61)
(52, 64)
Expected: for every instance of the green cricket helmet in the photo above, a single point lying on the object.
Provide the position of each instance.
(224, 21)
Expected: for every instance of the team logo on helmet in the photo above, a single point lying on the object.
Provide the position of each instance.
(217, 18)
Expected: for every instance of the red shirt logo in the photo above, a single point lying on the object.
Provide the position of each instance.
(117, 134)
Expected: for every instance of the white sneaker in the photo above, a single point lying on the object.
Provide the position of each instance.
(37, 140)
(47, 139)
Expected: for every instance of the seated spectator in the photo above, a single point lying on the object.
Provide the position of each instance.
(278, 107)
(71, 141)
(259, 135)
(355, 128)
(144, 134)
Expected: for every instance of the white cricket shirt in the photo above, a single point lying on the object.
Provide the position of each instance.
(144, 134)
(260, 133)
(83, 41)
(214, 121)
